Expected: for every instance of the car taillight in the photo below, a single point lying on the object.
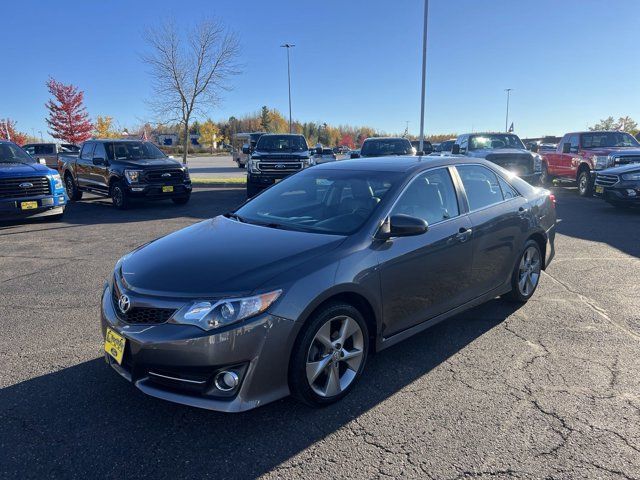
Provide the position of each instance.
(552, 197)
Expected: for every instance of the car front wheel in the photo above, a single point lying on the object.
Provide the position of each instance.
(329, 356)
(119, 195)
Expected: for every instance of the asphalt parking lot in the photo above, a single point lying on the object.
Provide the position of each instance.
(550, 389)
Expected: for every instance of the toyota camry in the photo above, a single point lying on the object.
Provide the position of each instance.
(294, 290)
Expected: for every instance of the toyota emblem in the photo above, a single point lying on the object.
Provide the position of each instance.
(124, 304)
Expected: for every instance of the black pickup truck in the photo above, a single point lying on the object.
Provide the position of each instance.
(125, 170)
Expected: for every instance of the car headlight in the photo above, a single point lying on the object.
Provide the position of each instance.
(537, 163)
(600, 162)
(186, 173)
(631, 176)
(133, 176)
(253, 166)
(308, 162)
(207, 315)
(57, 181)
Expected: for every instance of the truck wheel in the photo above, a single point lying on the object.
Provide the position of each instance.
(585, 187)
(545, 179)
(72, 190)
(118, 195)
(181, 200)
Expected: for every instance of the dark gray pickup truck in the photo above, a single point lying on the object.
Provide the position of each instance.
(125, 170)
(51, 152)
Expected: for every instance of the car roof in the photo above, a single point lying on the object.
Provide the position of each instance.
(399, 163)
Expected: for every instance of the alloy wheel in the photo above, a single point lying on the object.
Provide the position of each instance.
(117, 196)
(69, 186)
(529, 271)
(335, 356)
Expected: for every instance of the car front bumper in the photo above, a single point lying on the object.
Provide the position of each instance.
(155, 191)
(179, 363)
(624, 192)
(53, 204)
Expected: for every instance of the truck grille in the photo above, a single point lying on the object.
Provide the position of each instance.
(280, 167)
(606, 180)
(31, 187)
(625, 159)
(140, 315)
(520, 164)
(168, 177)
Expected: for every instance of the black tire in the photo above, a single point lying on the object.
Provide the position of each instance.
(181, 200)
(72, 189)
(118, 194)
(516, 294)
(298, 382)
(546, 180)
(585, 185)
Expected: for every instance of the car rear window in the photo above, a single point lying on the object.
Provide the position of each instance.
(386, 147)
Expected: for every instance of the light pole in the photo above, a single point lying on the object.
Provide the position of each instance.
(424, 72)
(289, 46)
(40, 132)
(506, 122)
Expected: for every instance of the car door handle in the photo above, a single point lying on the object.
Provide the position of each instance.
(463, 234)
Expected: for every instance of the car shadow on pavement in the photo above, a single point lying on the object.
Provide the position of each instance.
(86, 419)
(206, 202)
(595, 220)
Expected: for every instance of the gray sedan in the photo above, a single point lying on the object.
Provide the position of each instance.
(291, 292)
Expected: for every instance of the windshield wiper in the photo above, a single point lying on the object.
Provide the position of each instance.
(235, 216)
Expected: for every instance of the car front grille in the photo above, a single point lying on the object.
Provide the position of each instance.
(24, 187)
(168, 177)
(140, 315)
(606, 180)
(280, 167)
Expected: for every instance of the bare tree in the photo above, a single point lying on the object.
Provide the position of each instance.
(189, 72)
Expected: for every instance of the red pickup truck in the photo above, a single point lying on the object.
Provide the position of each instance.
(580, 154)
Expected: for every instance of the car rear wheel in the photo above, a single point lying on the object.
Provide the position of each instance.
(72, 190)
(585, 188)
(118, 195)
(329, 355)
(526, 274)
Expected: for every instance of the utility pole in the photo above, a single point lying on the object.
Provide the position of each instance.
(424, 72)
(289, 46)
(506, 122)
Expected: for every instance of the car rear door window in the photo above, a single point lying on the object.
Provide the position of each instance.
(431, 196)
(481, 186)
(508, 192)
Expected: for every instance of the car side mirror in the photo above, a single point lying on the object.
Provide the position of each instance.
(566, 148)
(99, 161)
(354, 155)
(246, 149)
(402, 226)
(42, 161)
(455, 149)
(534, 147)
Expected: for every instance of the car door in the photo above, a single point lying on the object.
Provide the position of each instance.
(426, 275)
(99, 168)
(498, 214)
(84, 164)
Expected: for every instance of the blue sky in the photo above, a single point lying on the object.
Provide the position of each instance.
(570, 62)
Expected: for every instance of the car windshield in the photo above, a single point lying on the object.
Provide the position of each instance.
(12, 153)
(317, 200)
(282, 143)
(386, 146)
(494, 141)
(608, 139)
(132, 151)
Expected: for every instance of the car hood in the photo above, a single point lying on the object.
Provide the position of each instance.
(219, 257)
(629, 167)
(280, 155)
(151, 163)
(21, 169)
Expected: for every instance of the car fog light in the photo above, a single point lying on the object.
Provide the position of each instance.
(226, 381)
(631, 192)
(137, 189)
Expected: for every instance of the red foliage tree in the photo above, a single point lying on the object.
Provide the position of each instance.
(68, 119)
(8, 132)
(347, 140)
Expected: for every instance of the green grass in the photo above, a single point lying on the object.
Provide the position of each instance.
(219, 181)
